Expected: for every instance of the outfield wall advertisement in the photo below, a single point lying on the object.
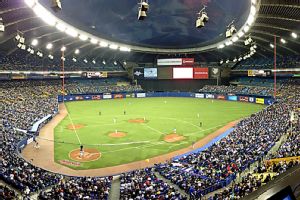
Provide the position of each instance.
(244, 98)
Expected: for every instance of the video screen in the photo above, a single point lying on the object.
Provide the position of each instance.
(183, 73)
(150, 73)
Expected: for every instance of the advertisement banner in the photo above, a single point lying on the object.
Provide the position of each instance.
(150, 73)
(214, 72)
(78, 98)
(221, 97)
(232, 98)
(200, 73)
(96, 97)
(169, 62)
(140, 95)
(209, 96)
(118, 96)
(252, 99)
(138, 73)
(188, 61)
(260, 100)
(198, 95)
(244, 99)
(107, 96)
(269, 101)
(130, 95)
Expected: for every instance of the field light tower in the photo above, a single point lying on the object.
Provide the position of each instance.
(202, 18)
(230, 30)
(143, 8)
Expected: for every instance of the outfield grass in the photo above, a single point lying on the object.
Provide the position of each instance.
(163, 116)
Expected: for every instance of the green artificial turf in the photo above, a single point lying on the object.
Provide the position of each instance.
(163, 115)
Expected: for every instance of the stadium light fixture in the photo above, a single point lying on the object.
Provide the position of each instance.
(32, 51)
(230, 30)
(104, 62)
(77, 51)
(221, 62)
(246, 28)
(34, 42)
(228, 43)
(240, 34)
(221, 46)
(29, 49)
(142, 10)
(49, 46)
(103, 44)
(2, 26)
(125, 63)
(63, 48)
(94, 41)
(235, 39)
(94, 62)
(63, 58)
(125, 49)
(113, 46)
(74, 59)
(253, 10)
(85, 60)
(23, 47)
(202, 18)
(272, 46)
(50, 57)
(61, 27)
(294, 35)
(240, 59)
(234, 60)
(71, 32)
(83, 37)
(56, 5)
(115, 63)
(283, 41)
(227, 61)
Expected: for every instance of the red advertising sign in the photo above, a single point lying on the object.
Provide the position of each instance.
(245, 99)
(96, 97)
(188, 61)
(222, 97)
(200, 73)
(118, 96)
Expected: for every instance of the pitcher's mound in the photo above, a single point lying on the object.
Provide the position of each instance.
(173, 138)
(75, 126)
(138, 120)
(88, 155)
(117, 134)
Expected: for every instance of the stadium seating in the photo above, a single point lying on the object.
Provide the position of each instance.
(197, 174)
(268, 63)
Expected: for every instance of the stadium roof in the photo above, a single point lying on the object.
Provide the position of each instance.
(168, 31)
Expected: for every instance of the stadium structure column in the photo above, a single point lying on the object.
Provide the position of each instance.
(275, 73)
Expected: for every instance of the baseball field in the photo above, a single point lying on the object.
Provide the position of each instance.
(120, 131)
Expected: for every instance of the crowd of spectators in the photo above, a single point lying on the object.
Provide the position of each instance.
(263, 63)
(79, 188)
(204, 172)
(144, 184)
(197, 173)
(6, 193)
(244, 90)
